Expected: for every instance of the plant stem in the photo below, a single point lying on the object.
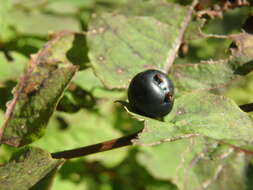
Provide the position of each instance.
(95, 148)
(114, 143)
(247, 107)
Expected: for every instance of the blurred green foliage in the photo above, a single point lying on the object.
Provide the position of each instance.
(24, 29)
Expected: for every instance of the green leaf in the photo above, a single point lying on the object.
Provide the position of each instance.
(87, 80)
(26, 168)
(197, 163)
(35, 97)
(23, 21)
(202, 114)
(27, 4)
(79, 174)
(67, 7)
(46, 183)
(12, 69)
(157, 9)
(121, 46)
(241, 92)
(211, 75)
(5, 31)
(203, 76)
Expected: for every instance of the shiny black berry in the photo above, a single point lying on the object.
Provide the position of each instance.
(151, 93)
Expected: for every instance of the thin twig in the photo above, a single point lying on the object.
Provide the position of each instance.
(217, 36)
(95, 148)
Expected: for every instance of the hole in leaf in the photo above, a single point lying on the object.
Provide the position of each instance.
(63, 125)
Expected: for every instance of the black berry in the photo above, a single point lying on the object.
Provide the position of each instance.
(151, 93)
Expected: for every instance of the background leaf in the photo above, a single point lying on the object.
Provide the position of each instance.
(27, 168)
(18, 20)
(12, 69)
(22, 21)
(82, 129)
(5, 32)
(240, 91)
(87, 80)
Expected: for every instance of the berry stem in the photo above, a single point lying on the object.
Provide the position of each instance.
(95, 148)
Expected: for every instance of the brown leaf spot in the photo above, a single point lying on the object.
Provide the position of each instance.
(101, 58)
(121, 70)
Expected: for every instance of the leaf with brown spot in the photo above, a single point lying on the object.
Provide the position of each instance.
(47, 75)
(124, 44)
